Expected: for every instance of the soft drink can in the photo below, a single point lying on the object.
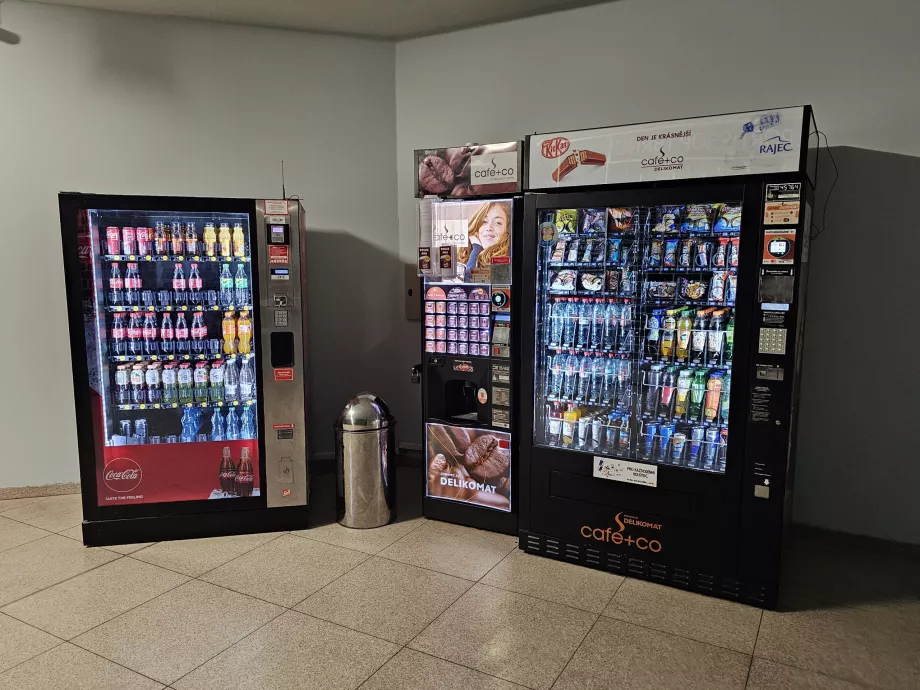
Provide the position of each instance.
(696, 445)
(463, 322)
(154, 439)
(463, 348)
(717, 287)
(451, 348)
(677, 447)
(430, 334)
(127, 240)
(441, 307)
(172, 438)
(440, 320)
(442, 347)
(463, 335)
(441, 333)
(430, 346)
(451, 307)
(685, 255)
(648, 438)
(112, 240)
(612, 430)
(125, 425)
(703, 255)
(723, 449)
(429, 320)
(143, 241)
(474, 349)
(140, 430)
(430, 307)
(451, 321)
(473, 308)
(732, 288)
(670, 253)
(712, 445)
(664, 439)
(463, 308)
(733, 251)
(597, 431)
(451, 333)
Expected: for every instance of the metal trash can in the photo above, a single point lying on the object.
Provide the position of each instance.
(365, 473)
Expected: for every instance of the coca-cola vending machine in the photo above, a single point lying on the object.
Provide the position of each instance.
(187, 334)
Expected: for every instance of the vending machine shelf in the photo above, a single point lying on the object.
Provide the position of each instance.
(175, 257)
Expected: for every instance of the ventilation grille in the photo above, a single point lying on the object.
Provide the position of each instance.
(680, 577)
(657, 571)
(573, 552)
(552, 547)
(533, 543)
(592, 557)
(638, 567)
(705, 582)
(616, 562)
(730, 588)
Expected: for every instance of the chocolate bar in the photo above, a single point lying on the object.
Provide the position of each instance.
(569, 163)
(591, 158)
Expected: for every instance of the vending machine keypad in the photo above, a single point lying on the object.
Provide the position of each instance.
(772, 341)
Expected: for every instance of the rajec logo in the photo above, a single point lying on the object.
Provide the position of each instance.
(555, 147)
(122, 475)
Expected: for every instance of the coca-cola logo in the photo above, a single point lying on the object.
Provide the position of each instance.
(555, 147)
(122, 475)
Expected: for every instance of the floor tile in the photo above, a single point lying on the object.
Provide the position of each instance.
(169, 636)
(620, 655)
(14, 533)
(371, 541)
(861, 646)
(293, 652)
(545, 578)
(521, 639)
(75, 533)
(69, 668)
(128, 548)
(83, 602)
(20, 642)
(767, 675)
(668, 609)
(411, 670)
(44, 562)
(452, 549)
(10, 503)
(54, 513)
(194, 557)
(387, 599)
(286, 570)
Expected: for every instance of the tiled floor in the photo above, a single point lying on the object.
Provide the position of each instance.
(419, 605)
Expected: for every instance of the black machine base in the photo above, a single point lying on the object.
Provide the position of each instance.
(165, 528)
(471, 516)
(647, 569)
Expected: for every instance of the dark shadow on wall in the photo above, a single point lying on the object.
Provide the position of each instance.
(857, 467)
(357, 329)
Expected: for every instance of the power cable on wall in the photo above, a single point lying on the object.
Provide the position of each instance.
(815, 230)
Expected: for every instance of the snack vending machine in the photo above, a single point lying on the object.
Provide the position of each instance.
(665, 339)
(187, 334)
(469, 228)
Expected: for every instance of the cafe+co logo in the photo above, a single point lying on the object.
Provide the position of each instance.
(622, 536)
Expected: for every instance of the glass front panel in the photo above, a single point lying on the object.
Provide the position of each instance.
(173, 361)
(635, 331)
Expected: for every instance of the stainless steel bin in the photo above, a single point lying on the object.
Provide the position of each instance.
(365, 473)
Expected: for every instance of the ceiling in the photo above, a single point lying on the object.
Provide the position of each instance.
(382, 19)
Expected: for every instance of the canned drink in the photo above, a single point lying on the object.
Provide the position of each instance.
(723, 449)
(732, 290)
(670, 253)
(172, 438)
(720, 254)
(430, 307)
(154, 439)
(717, 287)
(430, 334)
(474, 349)
(597, 431)
(612, 431)
(143, 241)
(677, 447)
(430, 346)
(664, 440)
(441, 307)
(451, 307)
(734, 248)
(474, 336)
(451, 348)
(473, 308)
(703, 255)
(623, 442)
(452, 334)
(463, 308)
(440, 320)
(452, 321)
(463, 335)
(112, 240)
(429, 320)
(712, 446)
(648, 438)
(140, 430)
(463, 322)
(685, 255)
(463, 348)
(584, 431)
(128, 239)
(125, 426)
(656, 250)
(442, 347)
(697, 434)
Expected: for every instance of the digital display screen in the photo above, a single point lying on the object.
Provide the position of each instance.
(277, 234)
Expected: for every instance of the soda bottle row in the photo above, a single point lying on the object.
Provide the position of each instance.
(696, 396)
(127, 290)
(176, 239)
(591, 324)
(137, 333)
(601, 380)
(603, 430)
(236, 480)
(686, 334)
(174, 382)
(696, 446)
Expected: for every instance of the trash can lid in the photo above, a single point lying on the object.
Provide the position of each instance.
(364, 411)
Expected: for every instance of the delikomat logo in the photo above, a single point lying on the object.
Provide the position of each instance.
(122, 475)
(620, 535)
(774, 145)
(663, 161)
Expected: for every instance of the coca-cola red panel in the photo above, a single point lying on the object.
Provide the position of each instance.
(157, 473)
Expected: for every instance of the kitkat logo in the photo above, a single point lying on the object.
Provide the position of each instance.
(555, 147)
(122, 475)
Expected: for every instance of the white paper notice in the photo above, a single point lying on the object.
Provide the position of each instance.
(276, 207)
(625, 471)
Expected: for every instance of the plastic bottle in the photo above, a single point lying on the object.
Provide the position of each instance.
(570, 424)
(122, 385)
(210, 240)
(557, 322)
(571, 323)
(217, 426)
(194, 284)
(227, 293)
(684, 328)
(241, 286)
(167, 335)
(228, 331)
(132, 282)
(239, 240)
(189, 426)
(598, 320)
(233, 426)
(191, 240)
(726, 394)
(170, 390)
(698, 338)
(116, 285)
(182, 344)
(585, 314)
(135, 333)
(697, 393)
(624, 384)
(231, 382)
(200, 381)
(553, 423)
(668, 333)
(216, 380)
(682, 401)
(179, 285)
(244, 333)
(570, 376)
(610, 381)
(152, 380)
(597, 379)
(585, 369)
(184, 383)
(176, 238)
(138, 394)
(653, 387)
(199, 333)
(118, 336)
(653, 334)
(627, 334)
(224, 241)
(160, 241)
(712, 404)
(247, 381)
(151, 346)
(248, 425)
(556, 375)
(715, 340)
(729, 339)
(611, 323)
